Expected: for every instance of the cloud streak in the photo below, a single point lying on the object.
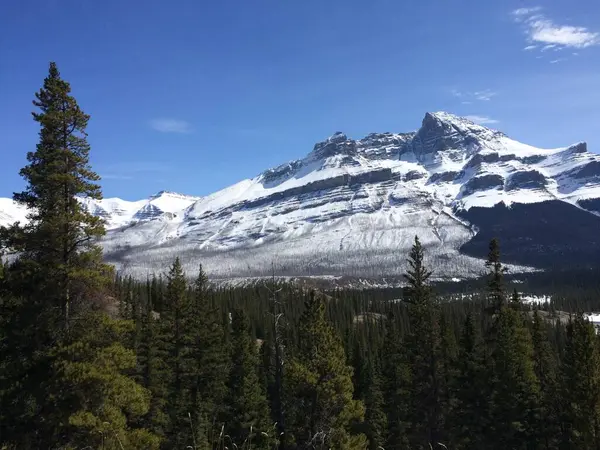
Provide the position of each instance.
(467, 98)
(524, 12)
(539, 29)
(482, 120)
(166, 125)
(485, 95)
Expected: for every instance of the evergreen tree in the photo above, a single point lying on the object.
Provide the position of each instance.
(514, 402)
(57, 247)
(544, 367)
(175, 313)
(424, 350)
(375, 424)
(92, 396)
(468, 423)
(396, 387)
(321, 409)
(59, 275)
(448, 361)
(496, 291)
(154, 372)
(209, 362)
(247, 418)
(581, 387)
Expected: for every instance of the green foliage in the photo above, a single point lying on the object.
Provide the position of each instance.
(375, 425)
(514, 401)
(469, 418)
(90, 393)
(209, 362)
(321, 408)
(58, 277)
(397, 383)
(57, 247)
(423, 344)
(153, 372)
(247, 414)
(580, 387)
(544, 366)
(496, 290)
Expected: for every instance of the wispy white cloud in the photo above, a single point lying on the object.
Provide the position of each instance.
(165, 125)
(485, 95)
(530, 47)
(546, 31)
(469, 97)
(554, 61)
(542, 30)
(524, 12)
(482, 120)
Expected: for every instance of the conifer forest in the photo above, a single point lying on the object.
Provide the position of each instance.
(93, 359)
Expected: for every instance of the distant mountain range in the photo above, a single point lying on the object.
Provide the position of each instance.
(352, 207)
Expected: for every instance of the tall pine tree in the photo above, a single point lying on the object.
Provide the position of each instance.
(580, 400)
(514, 402)
(424, 350)
(321, 409)
(247, 418)
(468, 420)
(60, 280)
(209, 363)
(176, 311)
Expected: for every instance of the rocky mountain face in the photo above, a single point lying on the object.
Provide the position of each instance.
(353, 207)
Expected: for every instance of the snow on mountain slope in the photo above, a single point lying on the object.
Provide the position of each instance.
(11, 212)
(118, 213)
(353, 207)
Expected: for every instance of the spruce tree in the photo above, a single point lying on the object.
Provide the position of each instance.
(176, 310)
(496, 290)
(375, 424)
(424, 351)
(58, 246)
(468, 420)
(247, 420)
(320, 408)
(397, 383)
(58, 275)
(209, 362)
(580, 384)
(544, 365)
(93, 399)
(514, 401)
(154, 372)
(448, 361)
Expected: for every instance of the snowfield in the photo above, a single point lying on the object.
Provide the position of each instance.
(350, 207)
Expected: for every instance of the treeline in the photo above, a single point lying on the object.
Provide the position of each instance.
(92, 360)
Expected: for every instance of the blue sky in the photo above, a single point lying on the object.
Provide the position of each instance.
(192, 95)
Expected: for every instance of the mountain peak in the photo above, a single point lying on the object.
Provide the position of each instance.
(336, 144)
(165, 193)
(338, 136)
(441, 118)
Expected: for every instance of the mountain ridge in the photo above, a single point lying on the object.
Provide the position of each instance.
(348, 200)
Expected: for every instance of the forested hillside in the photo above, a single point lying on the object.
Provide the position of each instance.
(92, 360)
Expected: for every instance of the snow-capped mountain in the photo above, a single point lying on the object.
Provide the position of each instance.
(353, 207)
